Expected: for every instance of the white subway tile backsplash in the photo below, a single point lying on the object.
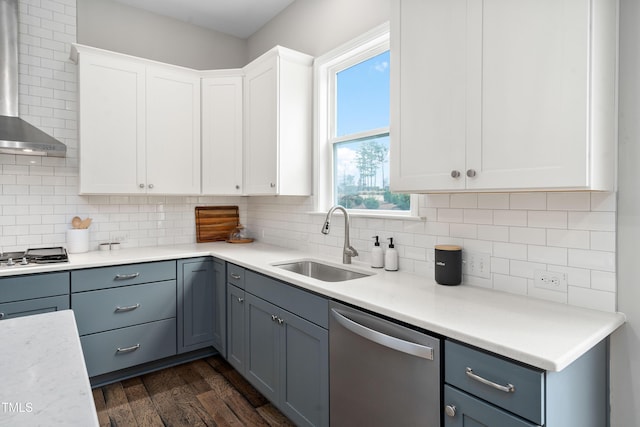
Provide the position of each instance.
(463, 200)
(568, 238)
(532, 236)
(603, 202)
(547, 255)
(463, 231)
(594, 221)
(592, 260)
(575, 201)
(603, 281)
(493, 233)
(547, 219)
(507, 217)
(493, 201)
(510, 250)
(603, 241)
(513, 285)
(525, 268)
(591, 298)
(478, 216)
(529, 201)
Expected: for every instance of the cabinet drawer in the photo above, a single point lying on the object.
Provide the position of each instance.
(122, 348)
(527, 397)
(469, 410)
(235, 275)
(122, 275)
(16, 288)
(305, 304)
(33, 306)
(107, 309)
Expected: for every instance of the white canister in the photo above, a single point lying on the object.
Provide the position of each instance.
(77, 240)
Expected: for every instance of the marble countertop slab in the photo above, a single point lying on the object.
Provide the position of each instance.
(44, 378)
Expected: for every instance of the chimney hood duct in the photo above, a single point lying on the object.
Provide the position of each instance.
(16, 135)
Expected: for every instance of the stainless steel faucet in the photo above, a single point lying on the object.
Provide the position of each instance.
(348, 251)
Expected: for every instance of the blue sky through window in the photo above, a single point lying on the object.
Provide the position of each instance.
(363, 96)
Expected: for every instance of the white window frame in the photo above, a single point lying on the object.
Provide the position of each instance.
(372, 43)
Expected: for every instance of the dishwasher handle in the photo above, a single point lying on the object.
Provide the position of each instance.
(385, 340)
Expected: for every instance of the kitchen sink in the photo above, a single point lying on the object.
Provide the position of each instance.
(321, 271)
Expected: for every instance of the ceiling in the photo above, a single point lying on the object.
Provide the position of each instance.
(240, 18)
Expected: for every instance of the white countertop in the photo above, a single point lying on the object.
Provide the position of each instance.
(543, 334)
(44, 379)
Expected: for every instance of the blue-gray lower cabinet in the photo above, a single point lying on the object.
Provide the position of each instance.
(235, 327)
(126, 314)
(483, 389)
(201, 304)
(33, 294)
(278, 339)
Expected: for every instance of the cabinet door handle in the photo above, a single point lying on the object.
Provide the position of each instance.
(2, 315)
(509, 388)
(272, 185)
(471, 173)
(240, 299)
(141, 185)
(280, 321)
(126, 276)
(128, 308)
(150, 185)
(128, 349)
(455, 174)
(235, 276)
(274, 317)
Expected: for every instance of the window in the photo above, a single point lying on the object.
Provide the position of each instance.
(352, 92)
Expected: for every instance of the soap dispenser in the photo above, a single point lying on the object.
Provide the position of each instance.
(377, 254)
(391, 257)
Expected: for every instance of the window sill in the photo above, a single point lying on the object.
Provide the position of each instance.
(376, 215)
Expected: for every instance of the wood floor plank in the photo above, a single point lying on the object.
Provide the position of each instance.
(196, 378)
(118, 408)
(273, 417)
(206, 392)
(101, 408)
(144, 411)
(244, 410)
(174, 404)
(222, 414)
(238, 381)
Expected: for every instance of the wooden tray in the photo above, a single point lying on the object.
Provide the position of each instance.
(215, 223)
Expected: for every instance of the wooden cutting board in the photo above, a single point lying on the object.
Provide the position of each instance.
(215, 223)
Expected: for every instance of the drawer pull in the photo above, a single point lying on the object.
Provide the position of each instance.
(126, 276)
(240, 299)
(2, 315)
(128, 349)
(128, 308)
(509, 388)
(235, 276)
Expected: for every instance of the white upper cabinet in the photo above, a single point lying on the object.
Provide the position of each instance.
(277, 123)
(503, 95)
(173, 131)
(222, 132)
(112, 124)
(139, 125)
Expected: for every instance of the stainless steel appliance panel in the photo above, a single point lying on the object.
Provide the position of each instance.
(381, 373)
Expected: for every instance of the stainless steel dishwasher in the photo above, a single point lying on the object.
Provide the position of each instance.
(381, 373)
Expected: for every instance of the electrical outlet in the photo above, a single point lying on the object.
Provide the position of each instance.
(551, 280)
(476, 264)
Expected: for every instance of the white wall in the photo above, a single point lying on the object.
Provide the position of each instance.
(114, 26)
(625, 344)
(317, 26)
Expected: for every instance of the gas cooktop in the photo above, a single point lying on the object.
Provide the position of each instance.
(32, 257)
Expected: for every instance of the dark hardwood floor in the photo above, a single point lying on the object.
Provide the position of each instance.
(207, 392)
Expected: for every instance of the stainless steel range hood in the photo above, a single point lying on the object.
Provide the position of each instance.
(16, 135)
